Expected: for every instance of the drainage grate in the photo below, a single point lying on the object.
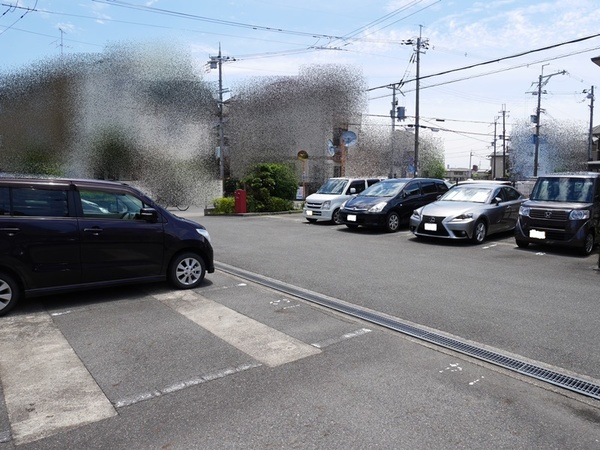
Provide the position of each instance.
(561, 380)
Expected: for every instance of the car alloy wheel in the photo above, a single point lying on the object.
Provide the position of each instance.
(588, 244)
(187, 271)
(336, 217)
(479, 232)
(392, 223)
(9, 293)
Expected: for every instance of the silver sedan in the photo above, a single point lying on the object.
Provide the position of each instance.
(469, 211)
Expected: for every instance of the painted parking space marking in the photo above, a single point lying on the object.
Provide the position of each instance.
(265, 344)
(47, 389)
(336, 340)
(178, 386)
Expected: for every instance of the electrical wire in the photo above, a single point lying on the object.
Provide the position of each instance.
(528, 52)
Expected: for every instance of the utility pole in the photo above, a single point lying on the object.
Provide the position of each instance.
(393, 115)
(62, 32)
(590, 95)
(471, 164)
(542, 81)
(503, 140)
(214, 63)
(494, 145)
(420, 44)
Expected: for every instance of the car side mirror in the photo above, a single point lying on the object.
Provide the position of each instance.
(149, 214)
(352, 190)
(498, 200)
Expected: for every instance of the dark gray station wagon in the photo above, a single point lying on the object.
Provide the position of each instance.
(60, 235)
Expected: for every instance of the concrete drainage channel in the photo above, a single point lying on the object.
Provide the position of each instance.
(561, 380)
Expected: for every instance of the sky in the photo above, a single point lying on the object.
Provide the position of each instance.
(479, 65)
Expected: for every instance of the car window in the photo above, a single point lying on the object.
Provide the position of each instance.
(467, 193)
(563, 189)
(441, 187)
(411, 189)
(372, 181)
(38, 202)
(333, 186)
(358, 185)
(510, 194)
(110, 205)
(498, 193)
(4, 202)
(388, 188)
(428, 187)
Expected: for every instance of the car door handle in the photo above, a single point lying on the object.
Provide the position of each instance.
(10, 231)
(95, 230)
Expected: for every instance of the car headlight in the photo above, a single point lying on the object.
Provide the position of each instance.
(579, 214)
(416, 214)
(378, 207)
(465, 216)
(203, 232)
(326, 204)
(524, 211)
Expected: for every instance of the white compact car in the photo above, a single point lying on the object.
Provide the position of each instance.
(326, 202)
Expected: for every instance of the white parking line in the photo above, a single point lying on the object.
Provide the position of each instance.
(336, 340)
(47, 389)
(263, 343)
(174, 387)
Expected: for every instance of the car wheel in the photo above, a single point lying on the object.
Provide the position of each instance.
(479, 232)
(312, 220)
(10, 293)
(335, 217)
(522, 244)
(187, 271)
(588, 243)
(392, 222)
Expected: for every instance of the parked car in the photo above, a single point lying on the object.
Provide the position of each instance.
(325, 204)
(61, 235)
(469, 211)
(564, 210)
(389, 203)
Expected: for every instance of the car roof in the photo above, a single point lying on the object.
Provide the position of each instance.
(572, 175)
(60, 181)
(501, 182)
(413, 179)
(485, 185)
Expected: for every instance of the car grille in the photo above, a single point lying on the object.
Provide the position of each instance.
(441, 229)
(549, 214)
(552, 222)
(313, 205)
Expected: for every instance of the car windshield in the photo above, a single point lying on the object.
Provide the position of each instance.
(384, 189)
(563, 189)
(467, 194)
(333, 186)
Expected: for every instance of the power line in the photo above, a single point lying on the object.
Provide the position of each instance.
(549, 47)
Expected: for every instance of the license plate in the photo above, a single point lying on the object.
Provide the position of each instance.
(309, 213)
(431, 226)
(535, 234)
(351, 218)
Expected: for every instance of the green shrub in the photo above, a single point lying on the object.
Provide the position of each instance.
(279, 204)
(225, 205)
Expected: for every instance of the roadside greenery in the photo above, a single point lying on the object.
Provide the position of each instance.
(269, 188)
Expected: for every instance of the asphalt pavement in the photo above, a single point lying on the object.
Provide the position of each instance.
(234, 364)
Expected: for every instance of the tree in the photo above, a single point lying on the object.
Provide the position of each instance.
(271, 187)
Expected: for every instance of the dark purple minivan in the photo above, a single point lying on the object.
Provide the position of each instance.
(59, 235)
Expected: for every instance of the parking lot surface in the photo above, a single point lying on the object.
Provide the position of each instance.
(235, 364)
